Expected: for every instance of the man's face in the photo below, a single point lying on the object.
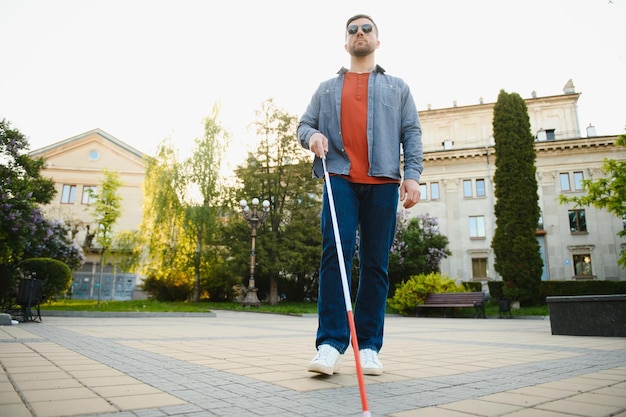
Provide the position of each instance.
(361, 38)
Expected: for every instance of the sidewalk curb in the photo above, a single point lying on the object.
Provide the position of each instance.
(63, 313)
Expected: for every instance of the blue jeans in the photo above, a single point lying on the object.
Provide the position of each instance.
(370, 209)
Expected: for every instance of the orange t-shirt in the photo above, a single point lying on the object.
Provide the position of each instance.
(354, 128)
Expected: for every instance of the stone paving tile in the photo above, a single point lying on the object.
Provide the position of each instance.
(14, 410)
(247, 364)
(576, 408)
(63, 394)
(515, 399)
(481, 408)
(74, 407)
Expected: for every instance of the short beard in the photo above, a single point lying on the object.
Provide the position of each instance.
(361, 51)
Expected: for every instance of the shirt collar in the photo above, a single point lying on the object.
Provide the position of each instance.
(377, 68)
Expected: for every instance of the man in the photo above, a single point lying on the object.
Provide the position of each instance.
(359, 121)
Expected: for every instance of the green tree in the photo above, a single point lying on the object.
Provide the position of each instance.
(280, 172)
(182, 211)
(607, 192)
(25, 231)
(203, 177)
(418, 248)
(166, 260)
(22, 190)
(515, 245)
(127, 250)
(107, 208)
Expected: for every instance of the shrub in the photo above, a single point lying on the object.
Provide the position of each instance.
(55, 276)
(557, 288)
(413, 291)
(473, 286)
(495, 289)
(174, 287)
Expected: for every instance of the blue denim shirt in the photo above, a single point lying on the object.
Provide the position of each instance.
(392, 124)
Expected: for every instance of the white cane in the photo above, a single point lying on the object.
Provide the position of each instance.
(346, 292)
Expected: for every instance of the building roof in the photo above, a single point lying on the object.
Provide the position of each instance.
(77, 138)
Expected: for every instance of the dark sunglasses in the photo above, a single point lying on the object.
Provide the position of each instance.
(366, 28)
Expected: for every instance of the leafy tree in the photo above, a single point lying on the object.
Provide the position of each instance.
(203, 176)
(182, 210)
(418, 248)
(515, 245)
(107, 208)
(22, 190)
(280, 171)
(126, 250)
(166, 259)
(25, 231)
(608, 192)
(53, 240)
(302, 244)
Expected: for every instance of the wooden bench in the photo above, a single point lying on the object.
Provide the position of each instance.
(455, 300)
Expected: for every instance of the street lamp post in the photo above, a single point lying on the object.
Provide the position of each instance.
(254, 217)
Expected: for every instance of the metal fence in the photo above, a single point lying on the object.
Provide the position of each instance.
(112, 286)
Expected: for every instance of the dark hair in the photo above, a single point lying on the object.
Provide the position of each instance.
(361, 16)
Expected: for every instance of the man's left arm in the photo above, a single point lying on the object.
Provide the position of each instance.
(412, 150)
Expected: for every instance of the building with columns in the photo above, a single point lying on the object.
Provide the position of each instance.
(457, 188)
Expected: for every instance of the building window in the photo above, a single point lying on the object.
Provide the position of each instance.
(550, 134)
(467, 188)
(577, 221)
(434, 191)
(423, 195)
(479, 268)
(470, 190)
(564, 177)
(89, 194)
(582, 265)
(480, 188)
(578, 180)
(477, 227)
(566, 184)
(68, 195)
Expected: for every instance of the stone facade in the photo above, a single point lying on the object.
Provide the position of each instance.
(457, 189)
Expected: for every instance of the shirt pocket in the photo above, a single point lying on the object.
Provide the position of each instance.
(326, 97)
(390, 95)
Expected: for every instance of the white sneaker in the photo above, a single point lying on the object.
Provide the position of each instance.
(326, 361)
(370, 363)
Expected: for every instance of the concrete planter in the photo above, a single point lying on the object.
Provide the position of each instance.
(588, 315)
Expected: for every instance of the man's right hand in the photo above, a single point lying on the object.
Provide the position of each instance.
(318, 144)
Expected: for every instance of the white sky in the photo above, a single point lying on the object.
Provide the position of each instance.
(145, 70)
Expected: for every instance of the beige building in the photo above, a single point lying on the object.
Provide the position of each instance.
(76, 165)
(457, 189)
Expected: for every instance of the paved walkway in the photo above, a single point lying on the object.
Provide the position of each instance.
(250, 364)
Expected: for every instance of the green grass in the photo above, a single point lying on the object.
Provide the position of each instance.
(491, 309)
(158, 306)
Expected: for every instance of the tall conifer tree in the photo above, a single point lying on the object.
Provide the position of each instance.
(515, 245)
